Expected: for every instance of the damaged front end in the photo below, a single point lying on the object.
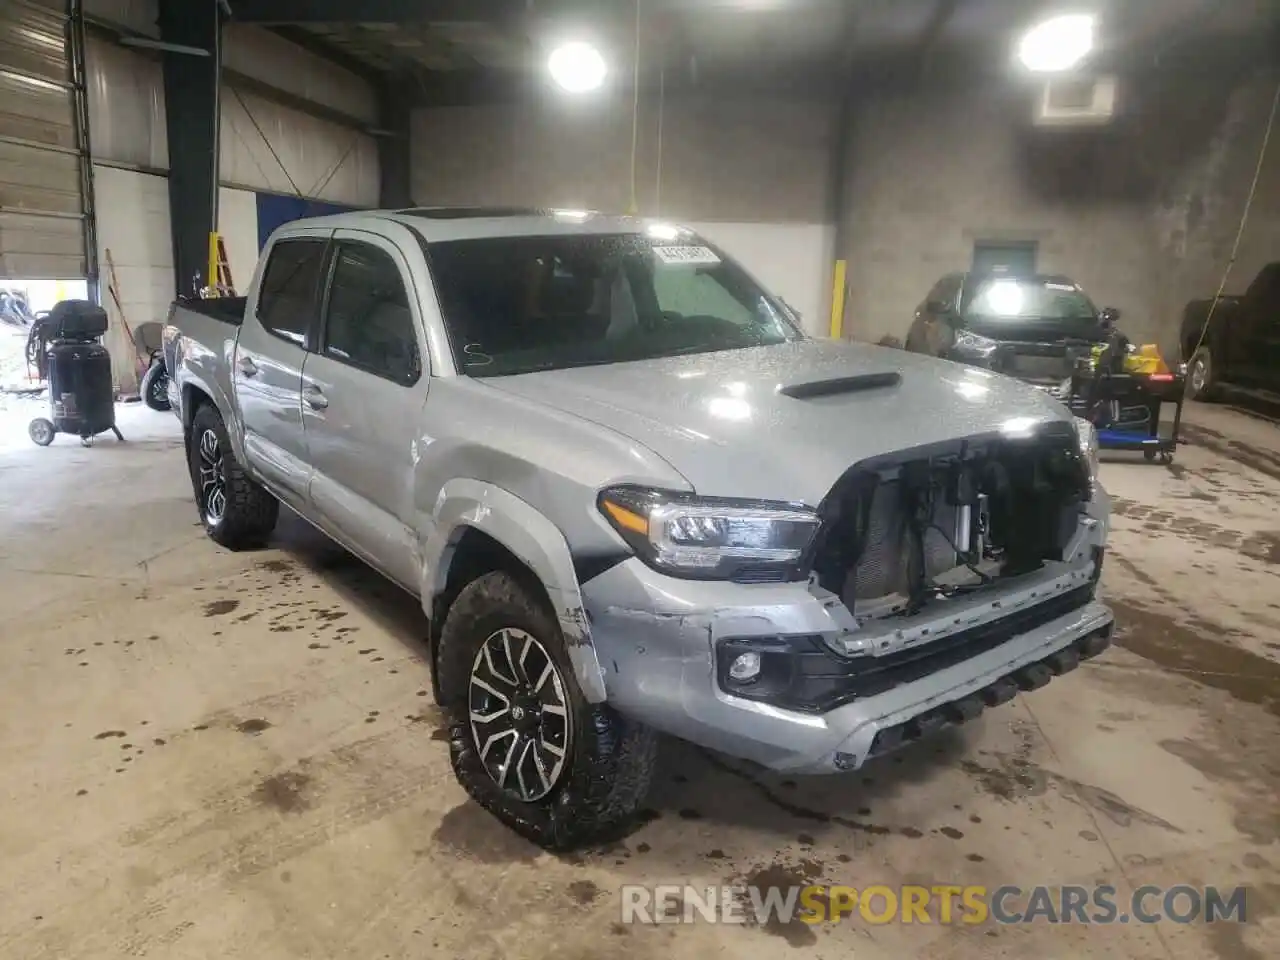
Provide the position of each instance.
(930, 557)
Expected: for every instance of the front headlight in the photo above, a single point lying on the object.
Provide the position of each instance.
(1087, 434)
(710, 539)
(975, 344)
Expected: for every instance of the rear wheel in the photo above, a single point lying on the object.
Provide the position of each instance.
(237, 512)
(1201, 382)
(524, 742)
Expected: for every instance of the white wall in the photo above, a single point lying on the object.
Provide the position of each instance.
(753, 175)
(133, 232)
(238, 224)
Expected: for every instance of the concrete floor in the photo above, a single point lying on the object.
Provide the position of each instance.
(208, 754)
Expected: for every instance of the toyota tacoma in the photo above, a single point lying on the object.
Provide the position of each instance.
(635, 499)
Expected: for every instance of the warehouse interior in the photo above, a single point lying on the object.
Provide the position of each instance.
(221, 754)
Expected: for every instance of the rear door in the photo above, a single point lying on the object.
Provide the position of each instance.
(363, 392)
(1263, 303)
(267, 366)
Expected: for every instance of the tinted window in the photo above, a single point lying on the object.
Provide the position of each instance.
(369, 323)
(519, 304)
(287, 299)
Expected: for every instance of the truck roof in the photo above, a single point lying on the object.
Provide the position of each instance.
(436, 224)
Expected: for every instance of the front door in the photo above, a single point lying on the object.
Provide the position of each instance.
(268, 360)
(363, 392)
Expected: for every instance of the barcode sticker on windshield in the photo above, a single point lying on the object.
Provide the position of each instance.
(685, 255)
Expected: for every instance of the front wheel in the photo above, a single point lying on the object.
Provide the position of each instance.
(523, 741)
(237, 512)
(155, 387)
(1201, 382)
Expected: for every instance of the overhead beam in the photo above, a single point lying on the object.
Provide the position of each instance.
(426, 11)
(377, 11)
(308, 41)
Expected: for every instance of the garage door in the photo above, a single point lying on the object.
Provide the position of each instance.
(42, 223)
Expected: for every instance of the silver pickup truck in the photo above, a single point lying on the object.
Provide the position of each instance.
(633, 498)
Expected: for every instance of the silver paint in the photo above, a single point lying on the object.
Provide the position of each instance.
(398, 474)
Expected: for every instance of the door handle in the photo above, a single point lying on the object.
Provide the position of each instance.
(315, 398)
(247, 366)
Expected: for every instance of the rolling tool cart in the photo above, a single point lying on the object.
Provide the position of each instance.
(1120, 390)
(78, 367)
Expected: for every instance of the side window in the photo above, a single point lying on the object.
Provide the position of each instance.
(290, 285)
(1268, 295)
(944, 291)
(695, 291)
(369, 323)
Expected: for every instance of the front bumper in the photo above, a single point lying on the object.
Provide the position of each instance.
(660, 642)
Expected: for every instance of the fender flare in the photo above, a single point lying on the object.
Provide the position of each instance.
(188, 382)
(535, 541)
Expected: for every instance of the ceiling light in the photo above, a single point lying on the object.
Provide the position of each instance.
(577, 67)
(1057, 44)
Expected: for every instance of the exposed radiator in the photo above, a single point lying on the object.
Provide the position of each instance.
(882, 569)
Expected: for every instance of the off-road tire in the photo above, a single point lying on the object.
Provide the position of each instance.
(610, 759)
(148, 387)
(250, 511)
(1208, 389)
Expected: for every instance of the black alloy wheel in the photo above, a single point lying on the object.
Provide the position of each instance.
(213, 478)
(520, 716)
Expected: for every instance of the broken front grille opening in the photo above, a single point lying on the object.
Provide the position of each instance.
(901, 534)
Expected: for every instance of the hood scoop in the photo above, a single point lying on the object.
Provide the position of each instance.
(839, 385)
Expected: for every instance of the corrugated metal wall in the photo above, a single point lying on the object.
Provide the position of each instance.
(265, 145)
(41, 214)
(131, 159)
(126, 106)
(272, 59)
(271, 147)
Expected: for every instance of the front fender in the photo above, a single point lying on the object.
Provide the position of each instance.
(531, 537)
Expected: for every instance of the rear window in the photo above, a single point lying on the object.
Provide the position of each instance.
(520, 304)
(288, 297)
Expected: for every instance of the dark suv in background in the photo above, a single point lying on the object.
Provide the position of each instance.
(1027, 326)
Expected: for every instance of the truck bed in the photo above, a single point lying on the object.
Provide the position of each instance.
(199, 345)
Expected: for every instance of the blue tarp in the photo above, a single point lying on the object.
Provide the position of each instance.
(274, 210)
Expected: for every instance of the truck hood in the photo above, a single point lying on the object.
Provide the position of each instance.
(722, 422)
(1037, 329)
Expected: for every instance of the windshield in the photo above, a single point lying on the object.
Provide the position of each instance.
(1028, 299)
(520, 304)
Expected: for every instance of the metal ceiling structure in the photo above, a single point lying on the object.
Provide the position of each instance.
(460, 51)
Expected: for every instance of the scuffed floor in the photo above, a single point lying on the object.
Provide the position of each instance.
(216, 755)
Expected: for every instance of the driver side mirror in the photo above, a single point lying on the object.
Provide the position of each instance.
(1109, 316)
(937, 308)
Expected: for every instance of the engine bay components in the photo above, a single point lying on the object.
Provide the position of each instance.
(945, 521)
